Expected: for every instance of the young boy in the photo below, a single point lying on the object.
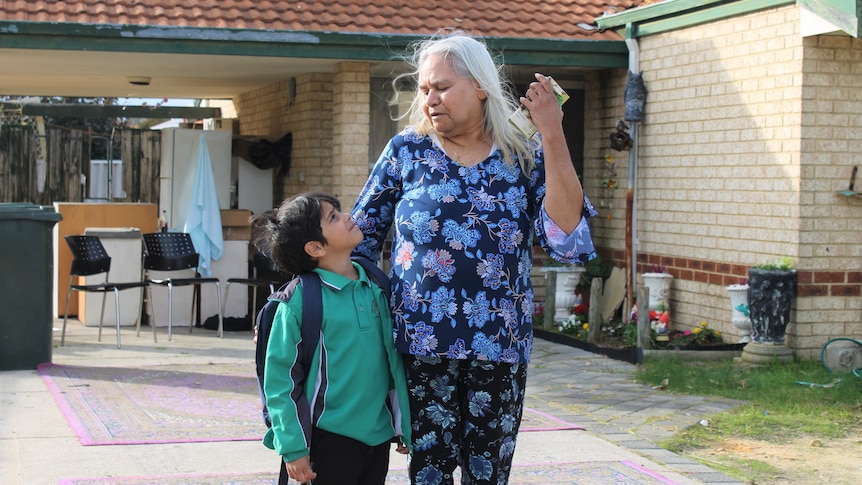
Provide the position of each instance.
(355, 371)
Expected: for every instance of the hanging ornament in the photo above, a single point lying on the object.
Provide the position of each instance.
(620, 139)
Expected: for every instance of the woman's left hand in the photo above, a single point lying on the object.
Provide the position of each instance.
(545, 111)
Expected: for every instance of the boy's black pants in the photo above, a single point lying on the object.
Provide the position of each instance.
(339, 460)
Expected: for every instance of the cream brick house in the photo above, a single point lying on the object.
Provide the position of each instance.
(751, 126)
(750, 134)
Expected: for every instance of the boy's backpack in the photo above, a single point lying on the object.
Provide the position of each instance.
(312, 316)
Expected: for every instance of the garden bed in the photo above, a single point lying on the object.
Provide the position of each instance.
(625, 354)
(635, 355)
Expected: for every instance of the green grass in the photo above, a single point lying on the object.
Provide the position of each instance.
(780, 403)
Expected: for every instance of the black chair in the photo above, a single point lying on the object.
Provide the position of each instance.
(174, 251)
(90, 258)
(264, 273)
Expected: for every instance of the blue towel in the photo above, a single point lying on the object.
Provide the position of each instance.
(204, 218)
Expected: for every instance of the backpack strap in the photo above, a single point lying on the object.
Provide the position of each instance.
(263, 324)
(312, 316)
(375, 274)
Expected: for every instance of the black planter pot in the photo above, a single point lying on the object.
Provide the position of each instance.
(770, 296)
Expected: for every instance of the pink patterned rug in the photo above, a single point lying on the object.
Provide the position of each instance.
(177, 403)
(157, 404)
(580, 473)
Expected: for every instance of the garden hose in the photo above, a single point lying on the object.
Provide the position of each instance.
(823, 355)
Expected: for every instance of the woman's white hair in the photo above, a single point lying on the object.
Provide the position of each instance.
(470, 58)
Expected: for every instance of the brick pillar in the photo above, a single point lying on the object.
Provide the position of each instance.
(351, 130)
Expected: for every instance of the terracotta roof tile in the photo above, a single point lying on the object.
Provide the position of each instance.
(556, 19)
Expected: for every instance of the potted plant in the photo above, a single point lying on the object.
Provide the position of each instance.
(771, 293)
(658, 281)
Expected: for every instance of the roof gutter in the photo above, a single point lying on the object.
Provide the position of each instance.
(674, 15)
(294, 44)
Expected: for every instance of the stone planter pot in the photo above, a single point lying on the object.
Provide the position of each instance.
(739, 311)
(770, 297)
(564, 283)
(659, 289)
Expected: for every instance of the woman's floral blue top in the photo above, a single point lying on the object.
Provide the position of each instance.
(461, 248)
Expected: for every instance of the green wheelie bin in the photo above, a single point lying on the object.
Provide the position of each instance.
(26, 284)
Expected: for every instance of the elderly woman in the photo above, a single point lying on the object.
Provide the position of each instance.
(465, 191)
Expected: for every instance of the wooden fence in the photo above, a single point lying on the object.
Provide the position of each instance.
(63, 175)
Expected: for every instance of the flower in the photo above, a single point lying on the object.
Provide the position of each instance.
(538, 309)
(576, 323)
(617, 332)
(583, 333)
(700, 335)
(574, 326)
(539, 314)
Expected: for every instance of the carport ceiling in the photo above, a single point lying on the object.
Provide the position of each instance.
(38, 72)
(88, 74)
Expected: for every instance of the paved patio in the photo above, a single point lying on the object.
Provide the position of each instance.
(623, 419)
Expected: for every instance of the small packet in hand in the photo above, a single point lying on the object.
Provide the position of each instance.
(521, 117)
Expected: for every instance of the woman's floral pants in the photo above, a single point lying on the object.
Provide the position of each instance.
(464, 413)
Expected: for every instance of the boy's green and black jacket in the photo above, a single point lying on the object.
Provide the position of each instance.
(356, 385)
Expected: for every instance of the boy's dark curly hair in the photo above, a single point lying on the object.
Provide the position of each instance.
(281, 234)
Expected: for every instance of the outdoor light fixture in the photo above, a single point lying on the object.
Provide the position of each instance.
(139, 80)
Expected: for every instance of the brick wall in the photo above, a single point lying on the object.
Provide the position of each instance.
(329, 120)
(603, 106)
